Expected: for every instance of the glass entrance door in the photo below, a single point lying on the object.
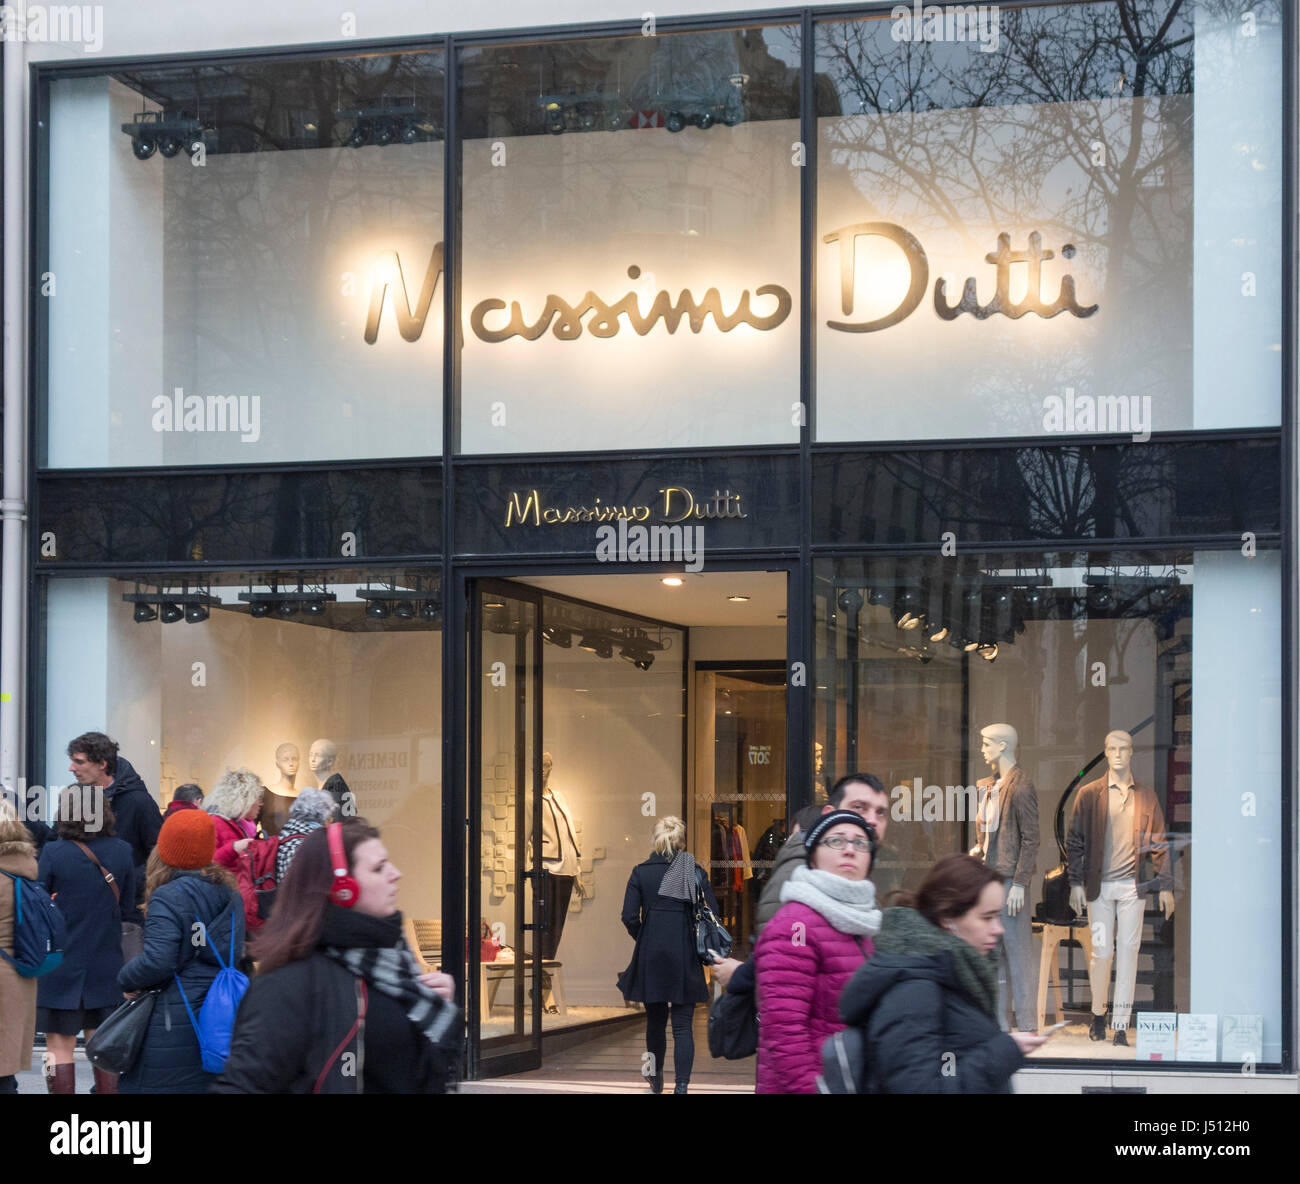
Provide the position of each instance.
(506, 976)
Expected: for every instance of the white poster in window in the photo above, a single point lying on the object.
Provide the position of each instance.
(1157, 1032)
(1198, 1037)
(1001, 270)
(1243, 1039)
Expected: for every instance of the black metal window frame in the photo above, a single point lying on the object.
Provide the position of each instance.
(800, 624)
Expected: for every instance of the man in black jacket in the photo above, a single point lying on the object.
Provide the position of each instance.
(95, 761)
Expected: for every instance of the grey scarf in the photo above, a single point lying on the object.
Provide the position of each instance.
(679, 880)
(849, 905)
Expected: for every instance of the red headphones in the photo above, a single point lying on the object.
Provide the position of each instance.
(344, 890)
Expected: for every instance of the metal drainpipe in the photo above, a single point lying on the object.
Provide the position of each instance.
(13, 505)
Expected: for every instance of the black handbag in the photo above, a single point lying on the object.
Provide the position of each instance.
(712, 941)
(733, 1025)
(115, 1046)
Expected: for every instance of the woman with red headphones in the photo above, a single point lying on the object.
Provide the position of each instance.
(339, 1003)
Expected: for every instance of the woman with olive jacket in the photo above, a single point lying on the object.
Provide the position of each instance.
(927, 1001)
(339, 1005)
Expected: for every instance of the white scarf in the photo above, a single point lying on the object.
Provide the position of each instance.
(849, 905)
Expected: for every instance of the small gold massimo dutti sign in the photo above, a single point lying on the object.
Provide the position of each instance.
(677, 504)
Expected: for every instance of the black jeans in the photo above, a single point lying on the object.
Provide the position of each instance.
(656, 1037)
(9, 1084)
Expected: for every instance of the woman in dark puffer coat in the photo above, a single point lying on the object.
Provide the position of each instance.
(183, 887)
(928, 1000)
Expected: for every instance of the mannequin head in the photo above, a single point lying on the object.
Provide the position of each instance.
(322, 755)
(287, 759)
(1119, 753)
(999, 745)
(547, 764)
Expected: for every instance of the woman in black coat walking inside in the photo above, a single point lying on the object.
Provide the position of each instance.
(665, 973)
(91, 876)
(339, 1005)
(927, 1001)
(193, 913)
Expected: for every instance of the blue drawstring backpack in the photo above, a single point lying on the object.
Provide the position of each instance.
(216, 1019)
(39, 929)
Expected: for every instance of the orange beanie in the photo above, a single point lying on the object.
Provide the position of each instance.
(188, 840)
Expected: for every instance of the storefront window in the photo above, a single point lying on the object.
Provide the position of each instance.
(337, 672)
(630, 242)
(1047, 220)
(1054, 677)
(244, 262)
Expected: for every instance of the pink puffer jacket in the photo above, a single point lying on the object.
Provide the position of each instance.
(801, 963)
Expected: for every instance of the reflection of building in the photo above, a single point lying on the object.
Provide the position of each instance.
(915, 550)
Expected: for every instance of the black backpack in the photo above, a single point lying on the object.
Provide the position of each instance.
(844, 1063)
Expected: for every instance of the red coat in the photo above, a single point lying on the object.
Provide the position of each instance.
(800, 974)
(228, 834)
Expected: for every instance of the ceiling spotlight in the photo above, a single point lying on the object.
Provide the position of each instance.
(937, 631)
(1101, 598)
(877, 596)
(376, 610)
(258, 609)
(383, 133)
(196, 613)
(909, 620)
(145, 612)
(409, 133)
(604, 649)
(170, 613)
(431, 612)
(557, 635)
(971, 646)
(589, 642)
(850, 601)
(738, 599)
(314, 608)
(143, 147)
(673, 581)
(404, 610)
(989, 652)
(360, 134)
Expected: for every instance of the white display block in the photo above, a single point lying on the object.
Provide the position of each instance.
(1198, 1037)
(1157, 1032)
(1243, 1039)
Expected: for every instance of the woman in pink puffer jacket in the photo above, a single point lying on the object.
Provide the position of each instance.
(810, 949)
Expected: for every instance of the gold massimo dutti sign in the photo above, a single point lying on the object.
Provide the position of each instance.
(601, 318)
(678, 504)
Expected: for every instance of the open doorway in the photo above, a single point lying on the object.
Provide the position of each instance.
(604, 703)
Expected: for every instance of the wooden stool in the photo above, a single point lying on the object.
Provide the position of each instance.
(1049, 971)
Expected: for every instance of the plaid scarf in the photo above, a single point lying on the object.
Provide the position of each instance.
(679, 880)
(393, 970)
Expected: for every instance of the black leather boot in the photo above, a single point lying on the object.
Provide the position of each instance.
(680, 1087)
(656, 1083)
(1121, 1039)
(1098, 1030)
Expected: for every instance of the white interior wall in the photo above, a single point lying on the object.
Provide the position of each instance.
(1236, 857)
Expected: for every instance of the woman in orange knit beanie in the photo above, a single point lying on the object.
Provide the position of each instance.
(193, 913)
